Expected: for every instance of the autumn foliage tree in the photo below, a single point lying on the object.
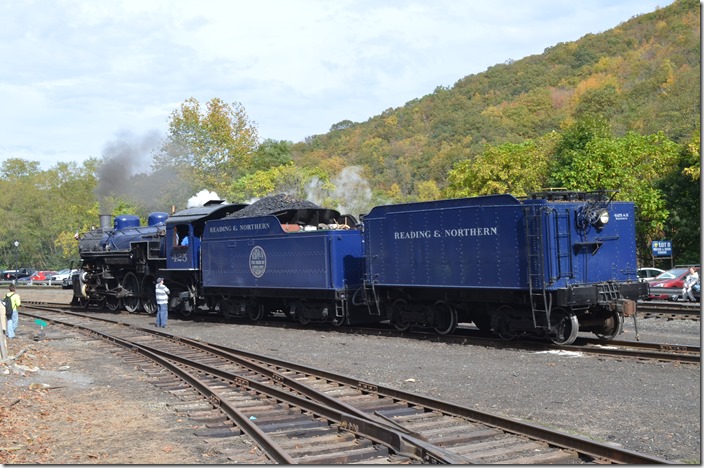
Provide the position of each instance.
(211, 147)
(515, 168)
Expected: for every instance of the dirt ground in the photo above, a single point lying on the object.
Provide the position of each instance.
(64, 400)
(71, 400)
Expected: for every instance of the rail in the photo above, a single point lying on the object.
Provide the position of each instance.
(279, 394)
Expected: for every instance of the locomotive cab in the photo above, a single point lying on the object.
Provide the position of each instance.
(184, 230)
(183, 244)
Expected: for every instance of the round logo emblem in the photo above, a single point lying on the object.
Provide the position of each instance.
(257, 262)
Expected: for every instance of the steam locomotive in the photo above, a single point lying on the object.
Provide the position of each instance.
(548, 266)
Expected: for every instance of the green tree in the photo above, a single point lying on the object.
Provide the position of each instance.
(211, 147)
(682, 191)
(29, 208)
(515, 168)
(632, 165)
(279, 179)
(271, 153)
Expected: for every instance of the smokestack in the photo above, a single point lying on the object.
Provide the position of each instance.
(106, 221)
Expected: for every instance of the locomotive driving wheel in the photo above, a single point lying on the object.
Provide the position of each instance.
(112, 303)
(132, 300)
(149, 295)
(565, 326)
(446, 316)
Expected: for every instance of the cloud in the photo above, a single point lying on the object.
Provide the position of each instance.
(77, 73)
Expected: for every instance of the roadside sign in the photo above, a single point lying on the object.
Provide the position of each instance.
(662, 248)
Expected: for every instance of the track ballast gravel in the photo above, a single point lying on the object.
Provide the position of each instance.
(644, 406)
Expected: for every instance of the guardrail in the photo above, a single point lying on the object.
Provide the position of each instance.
(666, 291)
(32, 283)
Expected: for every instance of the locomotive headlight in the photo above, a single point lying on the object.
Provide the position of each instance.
(603, 218)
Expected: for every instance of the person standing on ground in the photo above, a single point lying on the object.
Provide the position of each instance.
(162, 303)
(14, 318)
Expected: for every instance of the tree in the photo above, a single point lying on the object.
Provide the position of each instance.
(683, 200)
(271, 153)
(280, 179)
(632, 165)
(515, 168)
(211, 147)
(29, 209)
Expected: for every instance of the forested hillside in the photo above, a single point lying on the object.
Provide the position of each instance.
(618, 110)
(642, 76)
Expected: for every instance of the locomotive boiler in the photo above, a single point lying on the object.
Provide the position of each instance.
(119, 263)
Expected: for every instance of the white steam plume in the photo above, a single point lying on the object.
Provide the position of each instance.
(201, 198)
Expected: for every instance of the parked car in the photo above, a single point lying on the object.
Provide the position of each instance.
(67, 283)
(648, 273)
(669, 283)
(59, 276)
(42, 275)
(11, 275)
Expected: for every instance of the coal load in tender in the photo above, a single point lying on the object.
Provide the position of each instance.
(273, 204)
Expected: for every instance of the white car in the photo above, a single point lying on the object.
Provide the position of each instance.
(648, 273)
(61, 275)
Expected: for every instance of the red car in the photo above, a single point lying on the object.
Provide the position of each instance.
(671, 279)
(38, 276)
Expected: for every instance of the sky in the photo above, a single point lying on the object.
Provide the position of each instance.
(80, 77)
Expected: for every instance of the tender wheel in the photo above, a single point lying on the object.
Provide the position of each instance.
(132, 301)
(149, 295)
(503, 321)
(255, 312)
(186, 308)
(298, 312)
(397, 316)
(112, 303)
(446, 316)
(564, 327)
(613, 326)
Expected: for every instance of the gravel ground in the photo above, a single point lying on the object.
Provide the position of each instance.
(643, 406)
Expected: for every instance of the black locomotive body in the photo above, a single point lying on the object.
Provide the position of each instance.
(119, 263)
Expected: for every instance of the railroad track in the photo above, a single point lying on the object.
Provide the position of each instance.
(641, 350)
(662, 352)
(297, 414)
(669, 310)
